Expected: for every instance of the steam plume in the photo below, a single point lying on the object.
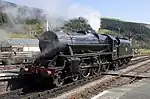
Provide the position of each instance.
(3, 35)
(57, 10)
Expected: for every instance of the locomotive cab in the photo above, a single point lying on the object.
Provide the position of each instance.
(124, 49)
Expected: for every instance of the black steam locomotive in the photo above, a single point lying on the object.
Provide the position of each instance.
(78, 54)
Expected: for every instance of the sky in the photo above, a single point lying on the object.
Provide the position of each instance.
(128, 10)
(132, 10)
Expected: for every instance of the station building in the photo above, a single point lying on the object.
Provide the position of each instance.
(19, 45)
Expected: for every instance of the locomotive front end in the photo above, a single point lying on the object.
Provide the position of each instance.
(48, 43)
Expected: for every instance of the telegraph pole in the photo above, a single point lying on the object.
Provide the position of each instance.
(119, 29)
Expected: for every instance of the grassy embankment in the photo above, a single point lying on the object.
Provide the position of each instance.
(33, 27)
(20, 35)
(106, 31)
(144, 51)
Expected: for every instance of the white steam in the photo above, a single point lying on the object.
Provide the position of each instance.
(93, 16)
(56, 10)
(16, 14)
(3, 35)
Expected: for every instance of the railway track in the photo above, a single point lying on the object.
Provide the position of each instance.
(106, 82)
(57, 91)
(120, 79)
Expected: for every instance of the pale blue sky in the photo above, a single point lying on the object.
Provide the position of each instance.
(132, 10)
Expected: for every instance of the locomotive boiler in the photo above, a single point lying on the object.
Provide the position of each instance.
(52, 44)
(79, 54)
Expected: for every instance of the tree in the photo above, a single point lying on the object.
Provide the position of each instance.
(39, 28)
(77, 24)
(32, 21)
(36, 27)
(3, 18)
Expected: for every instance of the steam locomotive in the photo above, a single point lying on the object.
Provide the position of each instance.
(76, 55)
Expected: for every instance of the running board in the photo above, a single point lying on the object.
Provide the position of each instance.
(93, 66)
(125, 75)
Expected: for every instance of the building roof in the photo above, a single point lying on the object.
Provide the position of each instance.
(21, 42)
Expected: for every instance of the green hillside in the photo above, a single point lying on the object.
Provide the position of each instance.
(139, 31)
